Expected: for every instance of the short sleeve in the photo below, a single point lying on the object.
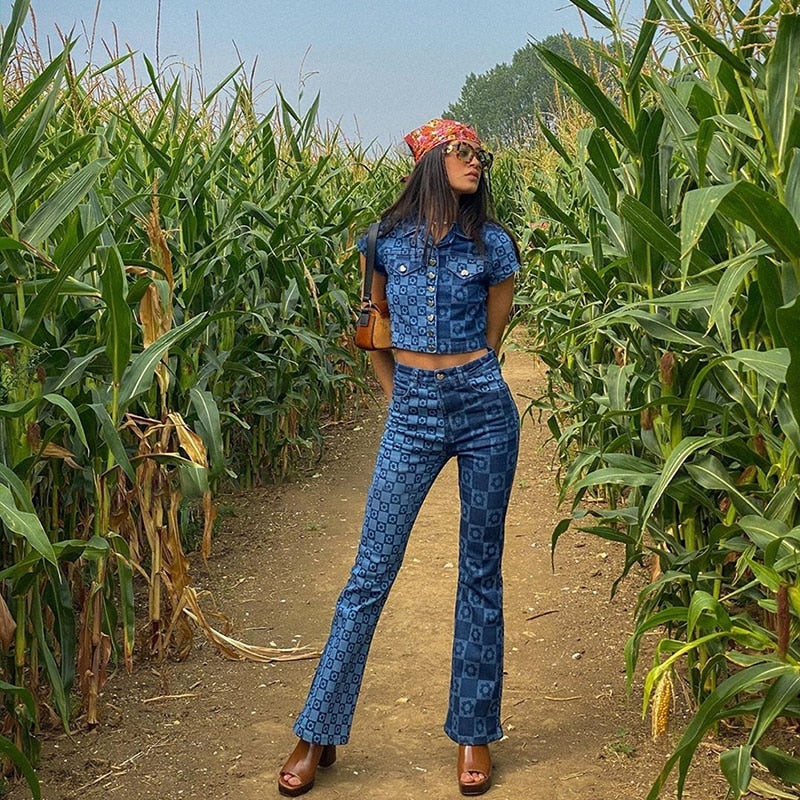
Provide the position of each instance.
(361, 244)
(502, 254)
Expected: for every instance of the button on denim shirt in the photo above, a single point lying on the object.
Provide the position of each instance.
(437, 297)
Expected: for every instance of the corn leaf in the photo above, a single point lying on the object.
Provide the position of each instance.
(74, 370)
(783, 78)
(699, 206)
(560, 529)
(704, 37)
(209, 424)
(643, 44)
(594, 12)
(193, 480)
(19, 11)
(772, 364)
(792, 188)
(601, 477)
(686, 448)
(113, 64)
(18, 409)
(553, 210)
(36, 89)
(727, 292)
(25, 524)
(10, 338)
(59, 693)
(602, 201)
(126, 595)
(683, 124)
(21, 492)
(658, 235)
(552, 139)
(70, 410)
(154, 82)
(735, 765)
(63, 611)
(139, 374)
(62, 203)
(767, 216)
(113, 440)
(616, 383)
(119, 319)
(710, 473)
(788, 319)
(661, 328)
(780, 764)
(704, 603)
(783, 691)
(17, 757)
(764, 532)
(47, 297)
(593, 98)
(781, 504)
(21, 695)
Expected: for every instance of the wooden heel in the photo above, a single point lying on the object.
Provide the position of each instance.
(302, 764)
(474, 758)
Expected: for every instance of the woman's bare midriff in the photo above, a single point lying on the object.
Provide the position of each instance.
(410, 358)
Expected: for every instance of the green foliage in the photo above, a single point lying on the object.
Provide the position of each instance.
(20, 703)
(176, 285)
(664, 298)
(505, 103)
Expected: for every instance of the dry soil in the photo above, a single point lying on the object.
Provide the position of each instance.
(210, 728)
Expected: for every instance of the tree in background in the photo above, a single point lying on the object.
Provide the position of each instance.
(504, 102)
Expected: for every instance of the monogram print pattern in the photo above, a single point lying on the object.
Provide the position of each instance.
(464, 412)
(437, 294)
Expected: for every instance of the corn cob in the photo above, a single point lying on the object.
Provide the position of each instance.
(660, 706)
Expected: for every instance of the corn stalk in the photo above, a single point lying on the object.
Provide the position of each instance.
(666, 303)
(176, 285)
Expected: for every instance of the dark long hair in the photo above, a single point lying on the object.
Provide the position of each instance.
(428, 199)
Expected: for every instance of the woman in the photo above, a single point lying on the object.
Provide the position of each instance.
(447, 270)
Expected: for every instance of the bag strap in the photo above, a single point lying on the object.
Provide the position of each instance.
(372, 239)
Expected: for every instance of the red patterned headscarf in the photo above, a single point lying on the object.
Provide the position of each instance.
(436, 132)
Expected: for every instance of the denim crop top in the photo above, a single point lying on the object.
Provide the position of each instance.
(439, 305)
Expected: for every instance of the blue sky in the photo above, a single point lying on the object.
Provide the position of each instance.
(381, 68)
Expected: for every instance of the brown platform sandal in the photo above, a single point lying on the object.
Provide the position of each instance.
(302, 764)
(474, 758)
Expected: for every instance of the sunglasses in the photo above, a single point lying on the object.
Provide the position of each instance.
(466, 152)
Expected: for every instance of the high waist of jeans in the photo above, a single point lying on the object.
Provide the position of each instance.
(405, 376)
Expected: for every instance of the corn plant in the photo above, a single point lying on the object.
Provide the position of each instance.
(666, 304)
(176, 285)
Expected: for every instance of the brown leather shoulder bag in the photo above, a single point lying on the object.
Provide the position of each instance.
(373, 331)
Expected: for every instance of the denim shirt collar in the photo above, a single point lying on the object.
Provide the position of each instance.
(410, 229)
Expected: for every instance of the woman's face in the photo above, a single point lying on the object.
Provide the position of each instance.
(462, 167)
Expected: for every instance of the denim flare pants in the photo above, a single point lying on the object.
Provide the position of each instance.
(467, 412)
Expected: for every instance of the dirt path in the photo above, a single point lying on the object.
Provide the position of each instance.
(210, 728)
